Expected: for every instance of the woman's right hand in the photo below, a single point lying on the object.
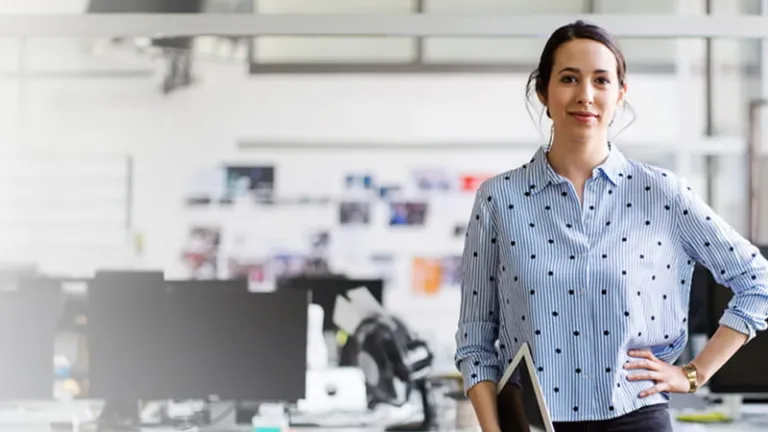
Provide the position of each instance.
(484, 401)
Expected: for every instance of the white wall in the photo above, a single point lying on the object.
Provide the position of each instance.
(172, 136)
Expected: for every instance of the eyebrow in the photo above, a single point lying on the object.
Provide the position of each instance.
(577, 70)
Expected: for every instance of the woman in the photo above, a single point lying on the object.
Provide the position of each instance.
(587, 256)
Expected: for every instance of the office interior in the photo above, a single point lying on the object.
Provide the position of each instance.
(244, 214)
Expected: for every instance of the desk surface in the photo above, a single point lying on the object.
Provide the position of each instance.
(755, 418)
(733, 427)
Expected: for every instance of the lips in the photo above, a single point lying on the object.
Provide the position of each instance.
(584, 117)
(584, 114)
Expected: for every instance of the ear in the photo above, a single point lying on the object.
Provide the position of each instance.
(622, 94)
(542, 98)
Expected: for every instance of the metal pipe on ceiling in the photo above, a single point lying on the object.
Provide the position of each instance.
(404, 25)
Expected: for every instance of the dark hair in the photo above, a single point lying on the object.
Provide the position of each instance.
(538, 81)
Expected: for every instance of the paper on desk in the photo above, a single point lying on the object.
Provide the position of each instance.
(365, 303)
(688, 427)
(345, 316)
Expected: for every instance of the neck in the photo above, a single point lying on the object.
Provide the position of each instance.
(577, 159)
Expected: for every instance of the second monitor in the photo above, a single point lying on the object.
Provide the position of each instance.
(323, 291)
(177, 343)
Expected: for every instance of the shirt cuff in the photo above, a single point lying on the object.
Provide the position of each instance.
(737, 323)
(475, 374)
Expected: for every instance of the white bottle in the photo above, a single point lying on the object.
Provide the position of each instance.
(317, 350)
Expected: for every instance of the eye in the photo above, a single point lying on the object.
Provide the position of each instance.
(603, 81)
(568, 79)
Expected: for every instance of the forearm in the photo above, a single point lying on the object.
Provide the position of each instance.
(485, 403)
(720, 348)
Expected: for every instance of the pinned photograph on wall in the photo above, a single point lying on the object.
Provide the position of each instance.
(319, 242)
(433, 180)
(354, 213)
(358, 181)
(205, 187)
(426, 275)
(459, 230)
(287, 265)
(407, 213)
(254, 270)
(200, 252)
(471, 182)
(384, 266)
(254, 184)
(318, 260)
(389, 192)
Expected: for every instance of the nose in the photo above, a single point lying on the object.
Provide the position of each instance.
(586, 94)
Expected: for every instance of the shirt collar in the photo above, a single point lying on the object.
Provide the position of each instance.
(541, 175)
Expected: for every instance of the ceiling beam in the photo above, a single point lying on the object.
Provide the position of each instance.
(404, 25)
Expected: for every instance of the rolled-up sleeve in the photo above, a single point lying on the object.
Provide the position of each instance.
(733, 261)
(478, 327)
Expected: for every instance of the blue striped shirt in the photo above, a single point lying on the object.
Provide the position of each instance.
(585, 283)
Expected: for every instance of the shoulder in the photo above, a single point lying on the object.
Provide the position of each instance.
(653, 178)
(505, 183)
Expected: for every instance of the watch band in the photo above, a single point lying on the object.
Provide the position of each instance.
(691, 373)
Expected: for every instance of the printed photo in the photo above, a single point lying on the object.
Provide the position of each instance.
(407, 213)
(253, 182)
(450, 273)
(355, 213)
(433, 180)
(200, 252)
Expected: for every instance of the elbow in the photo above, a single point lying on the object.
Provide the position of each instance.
(743, 322)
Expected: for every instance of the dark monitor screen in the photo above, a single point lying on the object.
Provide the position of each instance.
(698, 311)
(323, 291)
(145, 6)
(29, 316)
(181, 343)
(738, 374)
(129, 278)
(229, 285)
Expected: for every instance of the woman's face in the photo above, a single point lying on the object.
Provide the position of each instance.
(583, 90)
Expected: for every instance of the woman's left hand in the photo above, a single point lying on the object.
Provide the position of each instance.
(668, 378)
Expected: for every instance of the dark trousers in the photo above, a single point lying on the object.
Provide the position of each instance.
(653, 418)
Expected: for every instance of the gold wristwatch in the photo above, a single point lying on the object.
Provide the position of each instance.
(691, 373)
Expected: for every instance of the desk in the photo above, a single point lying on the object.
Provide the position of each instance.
(14, 423)
(734, 427)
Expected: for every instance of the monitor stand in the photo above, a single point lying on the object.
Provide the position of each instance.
(429, 423)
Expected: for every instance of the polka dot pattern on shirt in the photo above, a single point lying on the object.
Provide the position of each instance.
(580, 282)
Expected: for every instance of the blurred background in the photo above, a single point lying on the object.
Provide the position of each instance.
(231, 145)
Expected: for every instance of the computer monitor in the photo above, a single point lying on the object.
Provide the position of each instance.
(134, 279)
(29, 316)
(11, 273)
(181, 343)
(145, 6)
(698, 310)
(323, 291)
(220, 285)
(738, 374)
